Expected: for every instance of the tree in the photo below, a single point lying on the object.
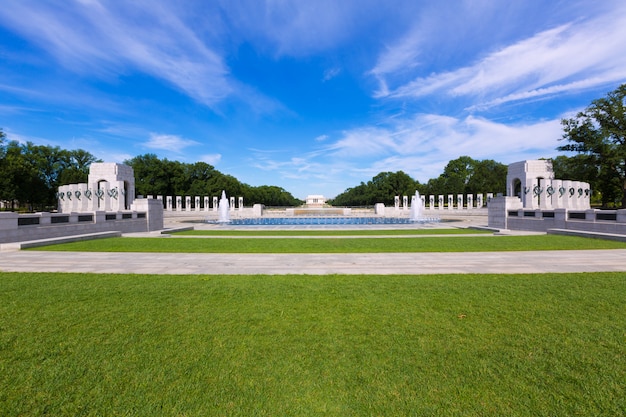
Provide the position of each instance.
(154, 176)
(381, 189)
(77, 163)
(599, 133)
(487, 176)
(465, 175)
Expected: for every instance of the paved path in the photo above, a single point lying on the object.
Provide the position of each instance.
(315, 264)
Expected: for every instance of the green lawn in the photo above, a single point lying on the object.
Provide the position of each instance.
(338, 244)
(445, 345)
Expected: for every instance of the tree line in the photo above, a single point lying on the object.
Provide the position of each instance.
(155, 176)
(463, 175)
(596, 139)
(31, 174)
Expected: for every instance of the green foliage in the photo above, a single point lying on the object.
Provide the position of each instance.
(381, 189)
(465, 175)
(32, 173)
(154, 176)
(598, 135)
(432, 345)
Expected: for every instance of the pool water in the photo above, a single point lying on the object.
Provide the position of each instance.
(274, 221)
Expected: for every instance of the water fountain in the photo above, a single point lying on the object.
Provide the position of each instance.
(224, 209)
(416, 208)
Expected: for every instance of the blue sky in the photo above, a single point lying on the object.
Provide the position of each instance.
(312, 96)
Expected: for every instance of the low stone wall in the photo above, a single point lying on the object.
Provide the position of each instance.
(506, 213)
(14, 227)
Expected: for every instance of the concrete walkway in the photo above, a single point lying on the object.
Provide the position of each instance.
(316, 264)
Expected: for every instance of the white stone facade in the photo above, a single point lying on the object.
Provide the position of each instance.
(315, 200)
(110, 187)
(534, 184)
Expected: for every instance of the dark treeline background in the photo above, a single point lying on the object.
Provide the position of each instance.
(463, 175)
(154, 176)
(31, 174)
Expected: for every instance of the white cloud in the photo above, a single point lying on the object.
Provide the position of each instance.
(329, 74)
(422, 146)
(171, 143)
(211, 159)
(566, 58)
(103, 37)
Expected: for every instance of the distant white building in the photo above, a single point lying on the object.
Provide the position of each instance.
(315, 200)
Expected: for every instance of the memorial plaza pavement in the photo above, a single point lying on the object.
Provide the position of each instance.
(315, 264)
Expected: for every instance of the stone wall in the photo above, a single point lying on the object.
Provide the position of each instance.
(145, 216)
(508, 213)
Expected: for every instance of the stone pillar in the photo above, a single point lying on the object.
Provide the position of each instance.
(240, 204)
(197, 203)
(479, 200)
(431, 202)
(187, 203)
(405, 203)
(168, 203)
(450, 201)
(396, 202)
(470, 201)
(8, 220)
(105, 197)
(215, 205)
(498, 211)
(45, 218)
(153, 210)
(528, 196)
(179, 203)
(206, 203)
(586, 199)
(257, 210)
(568, 195)
(560, 218)
(499, 208)
(71, 196)
(83, 205)
(459, 201)
(489, 197)
(64, 202)
(440, 202)
(116, 197)
(231, 203)
(541, 192)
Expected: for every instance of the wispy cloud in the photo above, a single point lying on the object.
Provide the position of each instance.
(172, 143)
(420, 146)
(331, 73)
(102, 37)
(211, 159)
(566, 58)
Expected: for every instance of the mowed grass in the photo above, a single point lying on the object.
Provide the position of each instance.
(338, 244)
(443, 345)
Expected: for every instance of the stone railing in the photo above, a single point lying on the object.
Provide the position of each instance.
(196, 203)
(507, 213)
(445, 201)
(145, 216)
(432, 202)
